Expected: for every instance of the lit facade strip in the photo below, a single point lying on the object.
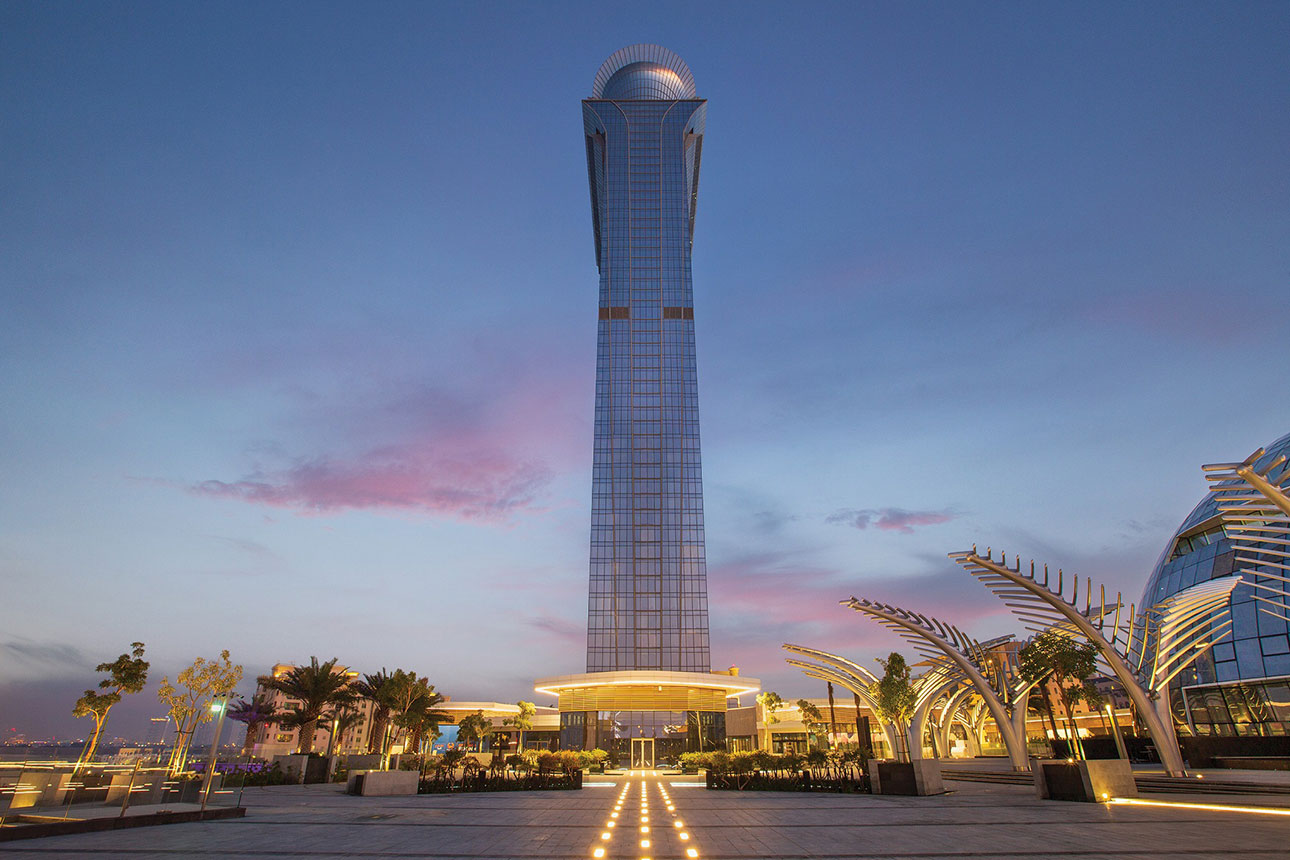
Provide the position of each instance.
(1216, 807)
(731, 685)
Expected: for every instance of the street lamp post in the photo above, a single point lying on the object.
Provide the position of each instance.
(217, 707)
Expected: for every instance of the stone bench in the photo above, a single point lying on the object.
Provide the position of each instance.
(383, 783)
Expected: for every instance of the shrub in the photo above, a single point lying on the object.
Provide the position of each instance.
(570, 761)
(696, 760)
(742, 762)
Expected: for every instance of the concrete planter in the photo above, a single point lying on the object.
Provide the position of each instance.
(384, 783)
(1085, 781)
(920, 777)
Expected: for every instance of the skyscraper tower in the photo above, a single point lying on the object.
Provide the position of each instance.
(648, 606)
(649, 693)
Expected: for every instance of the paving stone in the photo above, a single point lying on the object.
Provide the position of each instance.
(980, 822)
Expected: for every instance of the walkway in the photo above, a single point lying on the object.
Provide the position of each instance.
(981, 822)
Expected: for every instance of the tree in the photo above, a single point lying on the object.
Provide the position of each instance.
(893, 695)
(320, 687)
(189, 703)
(260, 711)
(813, 720)
(473, 728)
(770, 703)
(378, 689)
(522, 721)
(414, 710)
(126, 674)
(343, 718)
(1067, 663)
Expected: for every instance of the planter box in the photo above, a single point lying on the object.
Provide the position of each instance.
(384, 783)
(365, 761)
(921, 777)
(1086, 781)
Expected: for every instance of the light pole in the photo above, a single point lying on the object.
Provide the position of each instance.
(217, 707)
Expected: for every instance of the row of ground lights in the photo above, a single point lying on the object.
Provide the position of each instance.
(677, 823)
(608, 834)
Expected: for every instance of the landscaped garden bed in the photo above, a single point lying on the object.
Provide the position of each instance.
(838, 771)
(533, 771)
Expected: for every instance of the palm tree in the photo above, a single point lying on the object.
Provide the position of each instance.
(414, 710)
(341, 720)
(522, 721)
(377, 688)
(319, 687)
(258, 712)
(473, 728)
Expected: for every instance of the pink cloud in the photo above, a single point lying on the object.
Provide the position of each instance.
(472, 484)
(891, 519)
(760, 601)
(480, 449)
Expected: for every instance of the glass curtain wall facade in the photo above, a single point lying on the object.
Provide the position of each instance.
(648, 605)
(1242, 685)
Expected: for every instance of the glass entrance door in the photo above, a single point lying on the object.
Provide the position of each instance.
(642, 752)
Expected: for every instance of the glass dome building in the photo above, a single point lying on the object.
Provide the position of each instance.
(1242, 685)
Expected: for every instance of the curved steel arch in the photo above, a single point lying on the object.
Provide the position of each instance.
(948, 715)
(1179, 624)
(1254, 502)
(936, 640)
(846, 681)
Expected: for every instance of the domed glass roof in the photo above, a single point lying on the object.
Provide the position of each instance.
(1199, 551)
(644, 81)
(643, 72)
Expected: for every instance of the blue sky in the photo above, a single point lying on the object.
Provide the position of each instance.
(298, 340)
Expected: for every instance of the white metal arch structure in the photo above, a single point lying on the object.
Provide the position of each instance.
(938, 641)
(943, 679)
(844, 673)
(929, 688)
(1157, 644)
(824, 673)
(949, 713)
(1254, 502)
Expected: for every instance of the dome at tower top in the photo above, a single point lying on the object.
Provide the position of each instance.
(644, 81)
(643, 72)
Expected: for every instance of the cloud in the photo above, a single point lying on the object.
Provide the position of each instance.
(564, 630)
(37, 658)
(890, 519)
(475, 455)
(250, 547)
(771, 522)
(481, 484)
(761, 600)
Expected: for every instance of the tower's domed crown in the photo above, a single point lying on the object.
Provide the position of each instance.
(643, 72)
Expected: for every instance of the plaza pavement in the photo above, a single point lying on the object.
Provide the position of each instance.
(977, 821)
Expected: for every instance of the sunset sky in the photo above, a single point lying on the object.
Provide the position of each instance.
(298, 320)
